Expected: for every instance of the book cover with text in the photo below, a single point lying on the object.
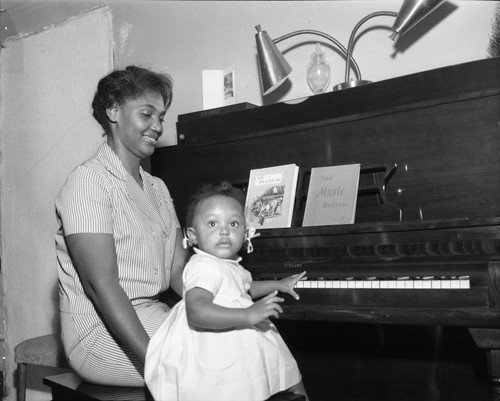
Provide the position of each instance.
(332, 195)
(271, 196)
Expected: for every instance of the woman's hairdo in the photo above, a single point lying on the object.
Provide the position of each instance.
(121, 86)
(209, 190)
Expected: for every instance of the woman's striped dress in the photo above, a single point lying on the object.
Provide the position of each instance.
(99, 196)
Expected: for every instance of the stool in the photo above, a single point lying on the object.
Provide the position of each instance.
(68, 386)
(45, 350)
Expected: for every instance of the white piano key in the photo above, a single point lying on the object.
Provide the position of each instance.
(436, 284)
(464, 283)
(446, 284)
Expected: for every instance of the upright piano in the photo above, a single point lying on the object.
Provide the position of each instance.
(425, 245)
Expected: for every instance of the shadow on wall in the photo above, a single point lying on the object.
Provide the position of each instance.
(494, 46)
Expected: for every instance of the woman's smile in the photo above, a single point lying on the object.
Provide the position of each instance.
(151, 139)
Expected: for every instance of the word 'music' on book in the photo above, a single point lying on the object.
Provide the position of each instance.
(332, 195)
(271, 195)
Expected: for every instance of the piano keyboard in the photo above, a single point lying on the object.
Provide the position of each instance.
(400, 283)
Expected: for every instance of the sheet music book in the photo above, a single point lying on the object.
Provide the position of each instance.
(332, 195)
(271, 196)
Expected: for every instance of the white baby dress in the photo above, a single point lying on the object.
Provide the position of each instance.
(246, 364)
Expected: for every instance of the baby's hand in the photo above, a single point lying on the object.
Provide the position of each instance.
(288, 283)
(265, 308)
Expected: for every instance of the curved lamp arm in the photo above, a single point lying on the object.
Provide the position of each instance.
(353, 36)
(331, 39)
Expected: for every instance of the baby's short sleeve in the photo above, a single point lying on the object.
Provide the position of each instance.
(83, 205)
(203, 272)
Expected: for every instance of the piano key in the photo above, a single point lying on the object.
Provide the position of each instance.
(359, 284)
(446, 284)
(464, 282)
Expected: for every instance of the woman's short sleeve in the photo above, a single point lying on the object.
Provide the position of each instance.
(84, 205)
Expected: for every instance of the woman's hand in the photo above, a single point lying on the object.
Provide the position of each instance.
(288, 283)
(264, 308)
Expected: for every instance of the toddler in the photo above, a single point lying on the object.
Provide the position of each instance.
(217, 343)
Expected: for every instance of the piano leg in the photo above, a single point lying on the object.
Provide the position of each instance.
(489, 339)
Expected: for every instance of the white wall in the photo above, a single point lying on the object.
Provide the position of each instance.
(47, 81)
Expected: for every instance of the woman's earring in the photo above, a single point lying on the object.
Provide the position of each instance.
(250, 233)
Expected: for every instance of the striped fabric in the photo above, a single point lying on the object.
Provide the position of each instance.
(101, 197)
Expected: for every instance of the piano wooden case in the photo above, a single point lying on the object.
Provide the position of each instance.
(428, 203)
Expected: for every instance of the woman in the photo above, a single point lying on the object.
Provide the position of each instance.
(119, 243)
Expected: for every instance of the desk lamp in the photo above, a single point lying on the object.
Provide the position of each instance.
(274, 69)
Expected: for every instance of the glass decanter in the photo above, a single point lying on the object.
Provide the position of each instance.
(318, 71)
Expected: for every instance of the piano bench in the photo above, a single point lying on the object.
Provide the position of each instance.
(46, 350)
(68, 386)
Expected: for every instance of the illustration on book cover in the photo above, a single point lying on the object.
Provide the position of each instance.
(270, 196)
(268, 205)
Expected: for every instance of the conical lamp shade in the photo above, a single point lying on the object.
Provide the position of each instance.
(273, 67)
(411, 13)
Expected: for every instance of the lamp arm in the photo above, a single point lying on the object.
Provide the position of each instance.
(353, 35)
(326, 36)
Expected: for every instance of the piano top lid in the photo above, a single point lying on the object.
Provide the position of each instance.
(422, 89)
